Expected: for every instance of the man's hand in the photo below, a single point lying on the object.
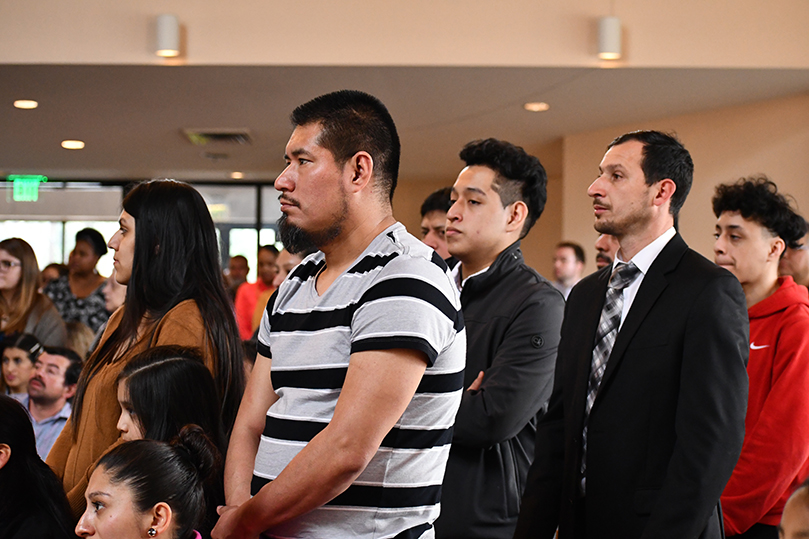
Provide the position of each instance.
(474, 386)
(227, 527)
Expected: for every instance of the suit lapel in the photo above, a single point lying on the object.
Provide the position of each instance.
(653, 285)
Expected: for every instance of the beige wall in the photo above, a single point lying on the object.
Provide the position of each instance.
(687, 33)
(771, 137)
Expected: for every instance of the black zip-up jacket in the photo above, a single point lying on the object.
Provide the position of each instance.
(513, 317)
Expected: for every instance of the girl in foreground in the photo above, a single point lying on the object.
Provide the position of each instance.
(147, 488)
(164, 389)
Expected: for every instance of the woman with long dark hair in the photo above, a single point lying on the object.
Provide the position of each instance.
(32, 502)
(154, 489)
(23, 309)
(167, 254)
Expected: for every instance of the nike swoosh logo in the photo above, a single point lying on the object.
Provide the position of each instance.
(754, 347)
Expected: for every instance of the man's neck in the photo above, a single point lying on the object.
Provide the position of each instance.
(41, 410)
(761, 289)
(633, 242)
(352, 241)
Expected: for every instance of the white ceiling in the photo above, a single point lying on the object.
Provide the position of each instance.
(131, 117)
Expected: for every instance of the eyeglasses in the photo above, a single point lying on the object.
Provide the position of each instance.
(6, 265)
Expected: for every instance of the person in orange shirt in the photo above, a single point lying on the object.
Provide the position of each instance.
(247, 295)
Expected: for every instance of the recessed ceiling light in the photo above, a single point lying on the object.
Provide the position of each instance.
(72, 144)
(237, 175)
(536, 106)
(26, 104)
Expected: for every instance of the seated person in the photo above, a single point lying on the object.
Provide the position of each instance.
(50, 391)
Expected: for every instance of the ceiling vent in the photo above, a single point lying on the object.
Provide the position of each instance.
(204, 137)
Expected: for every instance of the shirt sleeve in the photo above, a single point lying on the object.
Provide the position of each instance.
(406, 308)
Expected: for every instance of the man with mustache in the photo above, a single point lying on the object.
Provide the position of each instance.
(606, 247)
(50, 390)
(646, 419)
(346, 422)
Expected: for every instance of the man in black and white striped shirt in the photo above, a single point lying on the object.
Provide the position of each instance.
(345, 427)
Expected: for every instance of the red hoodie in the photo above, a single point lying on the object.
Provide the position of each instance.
(775, 453)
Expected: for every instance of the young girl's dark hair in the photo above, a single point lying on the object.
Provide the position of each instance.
(30, 493)
(176, 258)
(174, 473)
(170, 387)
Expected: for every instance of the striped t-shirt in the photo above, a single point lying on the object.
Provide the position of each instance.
(397, 294)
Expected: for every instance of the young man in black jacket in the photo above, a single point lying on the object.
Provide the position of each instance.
(513, 317)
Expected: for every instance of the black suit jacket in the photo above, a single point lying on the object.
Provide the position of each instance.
(667, 425)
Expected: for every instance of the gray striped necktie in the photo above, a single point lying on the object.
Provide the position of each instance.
(622, 276)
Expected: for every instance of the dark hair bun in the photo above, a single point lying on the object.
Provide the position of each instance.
(199, 451)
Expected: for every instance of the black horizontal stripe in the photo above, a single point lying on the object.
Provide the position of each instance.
(335, 377)
(263, 349)
(388, 497)
(415, 532)
(441, 383)
(394, 342)
(292, 429)
(309, 378)
(303, 431)
(372, 496)
(438, 261)
(313, 320)
(414, 288)
(308, 270)
(372, 262)
(416, 439)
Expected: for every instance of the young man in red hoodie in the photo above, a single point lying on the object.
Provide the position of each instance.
(755, 224)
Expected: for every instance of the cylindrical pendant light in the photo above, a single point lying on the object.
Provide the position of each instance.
(168, 36)
(609, 38)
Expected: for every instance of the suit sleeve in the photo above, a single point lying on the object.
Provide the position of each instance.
(711, 408)
(777, 448)
(519, 381)
(539, 509)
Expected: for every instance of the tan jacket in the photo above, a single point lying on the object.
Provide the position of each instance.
(73, 460)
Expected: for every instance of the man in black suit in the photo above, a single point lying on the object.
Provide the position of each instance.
(646, 418)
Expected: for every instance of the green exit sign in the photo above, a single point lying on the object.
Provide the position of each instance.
(26, 187)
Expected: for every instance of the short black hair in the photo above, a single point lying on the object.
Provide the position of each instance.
(518, 175)
(437, 201)
(757, 199)
(76, 363)
(577, 249)
(351, 122)
(664, 156)
(270, 248)
(94, 238)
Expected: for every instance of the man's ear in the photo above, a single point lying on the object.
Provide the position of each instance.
(665, 190)
(5, 454)
(517, 214)
(777, 246)
(361, 168)
(69, 391)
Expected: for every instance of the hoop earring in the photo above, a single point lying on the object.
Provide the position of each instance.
(152, 532)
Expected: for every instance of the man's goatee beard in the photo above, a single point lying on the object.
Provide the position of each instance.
(296, 240)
